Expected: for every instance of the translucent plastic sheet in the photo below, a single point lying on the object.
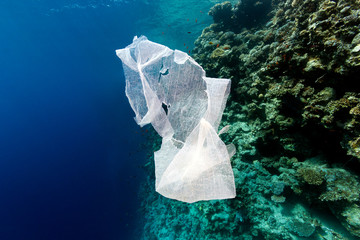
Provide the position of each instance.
(169, 90)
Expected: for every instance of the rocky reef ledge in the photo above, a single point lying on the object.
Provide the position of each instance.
(294, 113)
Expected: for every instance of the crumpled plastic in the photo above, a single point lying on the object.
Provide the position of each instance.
(169, 90)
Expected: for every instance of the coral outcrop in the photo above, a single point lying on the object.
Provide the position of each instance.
(300, 69)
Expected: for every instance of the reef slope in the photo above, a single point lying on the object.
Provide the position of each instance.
(294, 113)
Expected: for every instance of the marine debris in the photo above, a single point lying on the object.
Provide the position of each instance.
(169, 90)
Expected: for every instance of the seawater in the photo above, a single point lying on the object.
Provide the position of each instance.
(70, 151)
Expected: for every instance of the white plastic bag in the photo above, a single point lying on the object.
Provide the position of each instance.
(169, 90)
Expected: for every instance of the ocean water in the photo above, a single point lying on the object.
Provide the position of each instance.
(69, 148)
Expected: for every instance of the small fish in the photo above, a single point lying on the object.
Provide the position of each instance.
(217, 45)
(195, 20)
(189, 32)
(184, 44)
(226, 48)
(189, 51)
(187, 19)
(211, 43)
(187, 47)
(224, 129)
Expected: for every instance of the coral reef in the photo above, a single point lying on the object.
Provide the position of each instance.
(294, 116)
(244, 14)
(300, 69)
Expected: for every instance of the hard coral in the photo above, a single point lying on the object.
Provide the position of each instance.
(312, 176)
(302, 228)
(341, 185)
(221, 13)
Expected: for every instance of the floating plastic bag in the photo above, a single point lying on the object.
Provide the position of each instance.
(169, 90)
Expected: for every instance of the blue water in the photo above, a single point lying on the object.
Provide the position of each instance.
(68, 152)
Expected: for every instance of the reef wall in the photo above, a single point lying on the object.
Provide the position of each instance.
(294, 113)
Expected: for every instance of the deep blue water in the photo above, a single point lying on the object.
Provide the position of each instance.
(68, 152)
